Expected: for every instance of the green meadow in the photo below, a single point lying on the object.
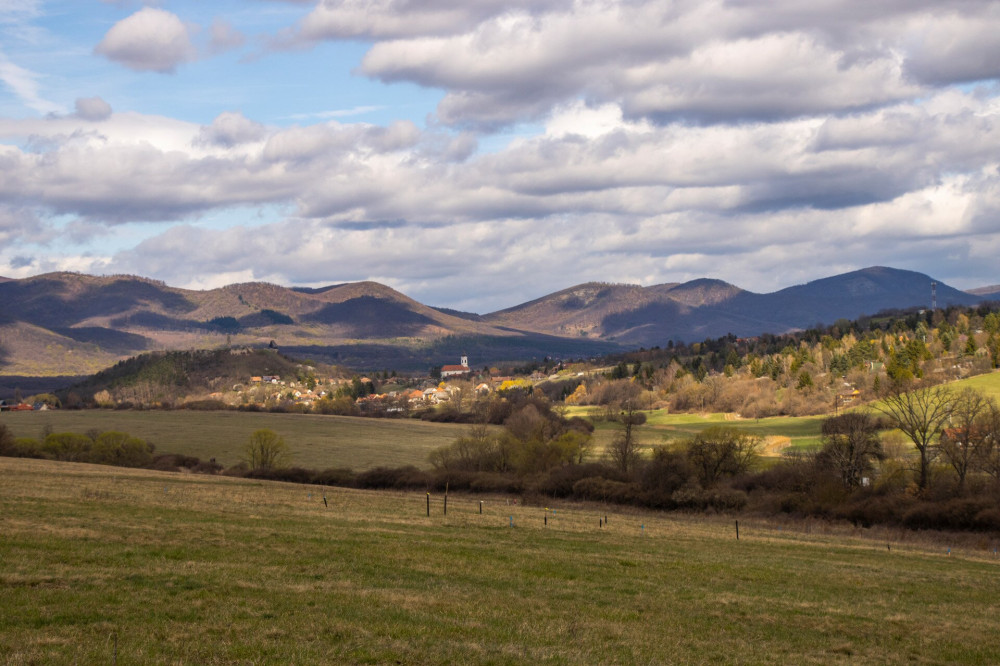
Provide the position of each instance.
(108, 565)
(801, 432)
(664, 428)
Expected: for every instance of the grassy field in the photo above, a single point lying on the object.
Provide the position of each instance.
(988, 384)
(316, 442)
(802, 432)
(663, 427)
(171, 568)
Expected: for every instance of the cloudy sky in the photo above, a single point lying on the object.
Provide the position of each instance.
(479, 154)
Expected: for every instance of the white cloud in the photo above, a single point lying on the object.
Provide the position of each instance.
(389, 19)
(232, 128)
(658, 140)
(24, 84)
(224, 37)
(503, 63)
(150, 40)
(93, 108)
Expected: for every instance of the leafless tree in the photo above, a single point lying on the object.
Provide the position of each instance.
(624, 450)
(722, 451)
(851, 444)
(988, 456)
(967, 433)
(921, 414)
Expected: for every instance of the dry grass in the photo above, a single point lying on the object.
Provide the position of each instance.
(192, 569)
(317, 442)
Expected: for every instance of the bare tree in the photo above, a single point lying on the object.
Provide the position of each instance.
(988, 456)
(850, 446)
(968, 432)
(920, 414)
(722, 451)
(624, 451)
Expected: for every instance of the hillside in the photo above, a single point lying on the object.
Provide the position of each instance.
(848, 296)
(992, 291)
(169, 377)
(66, 323)
(649, 316)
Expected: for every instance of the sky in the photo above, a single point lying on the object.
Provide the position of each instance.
(476, 155)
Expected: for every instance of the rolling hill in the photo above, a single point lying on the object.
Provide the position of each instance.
(634, 315)
(72, 324)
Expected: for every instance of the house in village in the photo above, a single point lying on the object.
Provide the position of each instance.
(413, 396)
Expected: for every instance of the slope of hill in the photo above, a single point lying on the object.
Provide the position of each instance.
(65, 323)
(577, 311)
(700, 309)
(170, 376)
(848, 296)
(992, 291)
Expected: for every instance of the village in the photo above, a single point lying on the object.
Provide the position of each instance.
(387, 395)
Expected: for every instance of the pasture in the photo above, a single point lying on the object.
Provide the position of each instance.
(988, 384)
(316, 442)
(100, 564)
(664, 428)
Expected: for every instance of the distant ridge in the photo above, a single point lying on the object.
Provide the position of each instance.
(70, 324)
(993, 290)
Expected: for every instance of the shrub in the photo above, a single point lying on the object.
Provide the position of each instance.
(560, 480)
(689, 496)
(606, 490)
(289, 474)
(68, 446)
(120, 449)
(666, 472)
(207, 405)
(955, 514)
(452, 480)
(875, 510)
(23, 447)
(7, 441)
(239, 469)
(171, 462)
(725, 499)
(209, 467)
(399, 478)
(339, 476)
(988, 519)
(486, 482)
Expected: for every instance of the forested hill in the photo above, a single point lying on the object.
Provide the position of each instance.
(703, 309)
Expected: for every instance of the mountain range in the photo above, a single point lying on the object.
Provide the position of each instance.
(74, 324)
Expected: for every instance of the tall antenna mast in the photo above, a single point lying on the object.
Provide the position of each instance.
(933, 295)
